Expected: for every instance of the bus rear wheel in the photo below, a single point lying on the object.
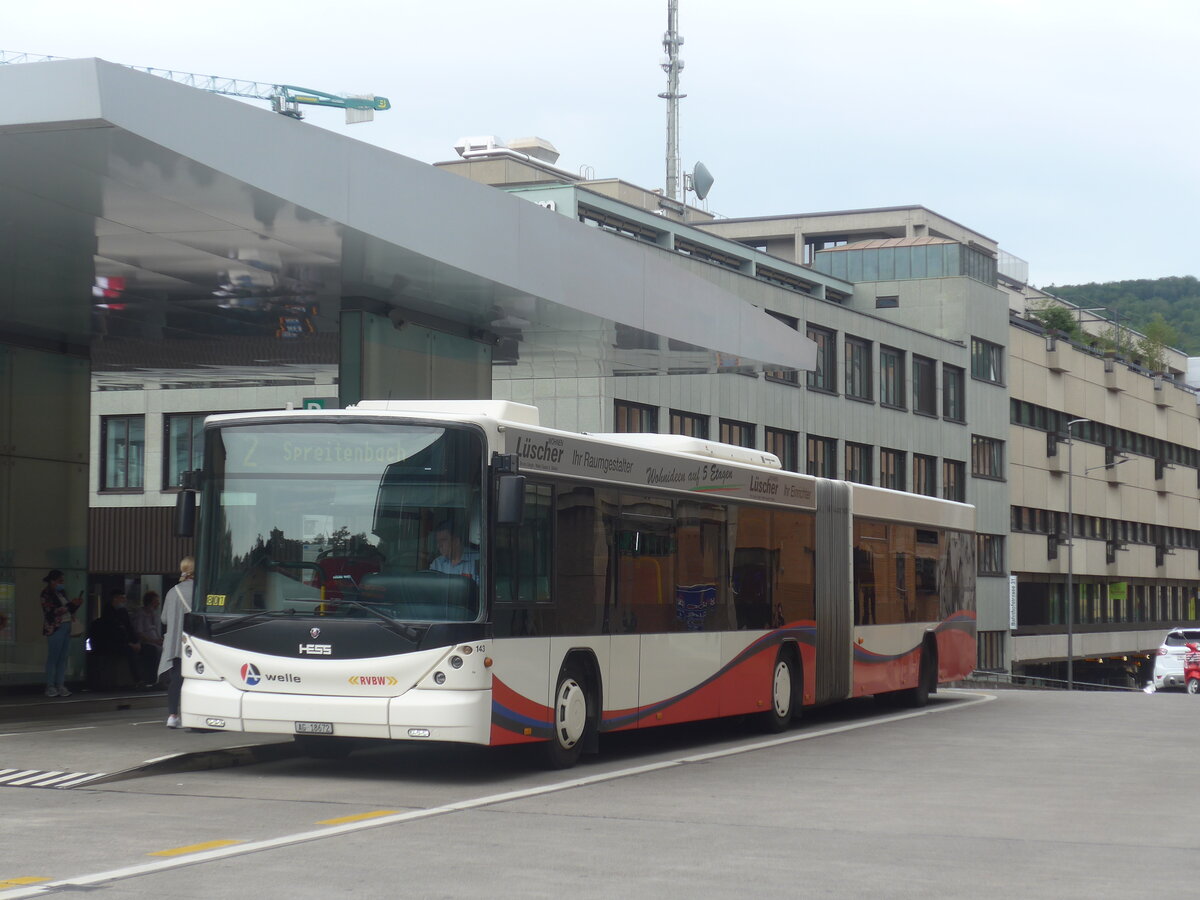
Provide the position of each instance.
(784, 695)
(926, 681)
(570, 716)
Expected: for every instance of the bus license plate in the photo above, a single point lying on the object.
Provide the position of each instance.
(314, 728)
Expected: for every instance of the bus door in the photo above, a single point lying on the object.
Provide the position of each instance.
(834, 607)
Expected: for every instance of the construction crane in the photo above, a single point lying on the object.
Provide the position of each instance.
(285, 99)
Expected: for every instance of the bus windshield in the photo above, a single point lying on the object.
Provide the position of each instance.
(305, 519)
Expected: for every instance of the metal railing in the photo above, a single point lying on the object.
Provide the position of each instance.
(1033, 682)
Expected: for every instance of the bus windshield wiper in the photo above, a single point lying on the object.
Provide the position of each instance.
(222, 627)
(408, 632)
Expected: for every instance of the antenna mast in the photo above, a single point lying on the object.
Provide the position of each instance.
(673, 65)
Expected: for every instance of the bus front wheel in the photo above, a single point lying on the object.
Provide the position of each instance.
(570, 716)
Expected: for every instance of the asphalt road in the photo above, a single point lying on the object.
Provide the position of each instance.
(1002, 794)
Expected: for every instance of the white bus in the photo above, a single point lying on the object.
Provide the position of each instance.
(451, 571)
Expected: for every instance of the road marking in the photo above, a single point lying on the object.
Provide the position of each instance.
(48, 731)
(287, 840)
(17, 882)
(360, 817)
(193, 848)
(37, 778)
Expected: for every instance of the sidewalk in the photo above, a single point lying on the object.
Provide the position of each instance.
(25, 705)
(95, 737)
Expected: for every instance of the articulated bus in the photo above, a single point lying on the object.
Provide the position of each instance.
(451, 571)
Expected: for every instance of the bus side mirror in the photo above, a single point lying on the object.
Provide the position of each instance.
(185, 514)
(510, 499)
(185, 504)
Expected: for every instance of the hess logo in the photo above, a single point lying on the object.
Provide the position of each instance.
(316, 650)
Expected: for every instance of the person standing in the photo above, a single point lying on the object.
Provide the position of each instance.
(57, 615)
(116, 636)
(177, 605)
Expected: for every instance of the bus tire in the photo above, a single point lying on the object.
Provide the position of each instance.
(784, 694)
(570, 718)
(926, 680)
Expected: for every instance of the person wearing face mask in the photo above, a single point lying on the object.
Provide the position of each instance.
(57, 614)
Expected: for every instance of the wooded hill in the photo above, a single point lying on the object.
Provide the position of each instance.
(1176, 300)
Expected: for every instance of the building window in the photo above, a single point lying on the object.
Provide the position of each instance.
(784, 444)
(787, 376)
(690, 424)
(990, 653)
(953, 481)
(824, 373)
(892, 469)
(183, 440)
(924, 386)
(925, 474)
(822, 457)
(858, 463)
(630, 417)
(858, 368)
(887, 302)
(740, 434)
(124, 442)
(953, 403)
(987, 457)
(990, 558)
(987, 361)
(891, 377)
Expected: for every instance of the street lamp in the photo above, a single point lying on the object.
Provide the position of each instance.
(1071, 557)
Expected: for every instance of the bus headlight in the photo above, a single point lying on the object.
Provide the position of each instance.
(456, 662)
(439, 677)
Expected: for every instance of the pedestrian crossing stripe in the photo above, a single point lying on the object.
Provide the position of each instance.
(39, 778)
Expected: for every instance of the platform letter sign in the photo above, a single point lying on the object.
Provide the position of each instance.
(319, 403)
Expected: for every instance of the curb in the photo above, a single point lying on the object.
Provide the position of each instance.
(202, 760)
(80, 703)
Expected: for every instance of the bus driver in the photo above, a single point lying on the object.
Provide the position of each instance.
(453, 558)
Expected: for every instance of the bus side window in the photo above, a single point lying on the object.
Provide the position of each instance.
(523, 552)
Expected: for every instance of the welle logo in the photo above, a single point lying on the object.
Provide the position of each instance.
(252, 676)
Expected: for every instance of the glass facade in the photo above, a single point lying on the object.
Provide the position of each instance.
(907, 261)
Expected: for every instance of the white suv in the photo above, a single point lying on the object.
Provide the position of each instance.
(1168, 665)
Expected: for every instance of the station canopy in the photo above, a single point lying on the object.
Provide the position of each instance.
(181, 236)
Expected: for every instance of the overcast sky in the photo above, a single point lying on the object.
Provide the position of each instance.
(1064, 129)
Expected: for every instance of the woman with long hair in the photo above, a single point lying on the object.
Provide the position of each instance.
(57, 614)
(177, 605)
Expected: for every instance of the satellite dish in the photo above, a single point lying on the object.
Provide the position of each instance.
(702, 180)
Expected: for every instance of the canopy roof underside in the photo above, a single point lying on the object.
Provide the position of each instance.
(174, 231)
